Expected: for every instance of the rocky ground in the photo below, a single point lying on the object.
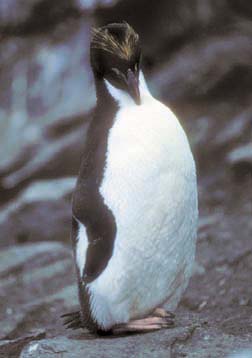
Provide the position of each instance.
(198, 60)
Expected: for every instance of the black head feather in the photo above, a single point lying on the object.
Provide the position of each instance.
(115, 46)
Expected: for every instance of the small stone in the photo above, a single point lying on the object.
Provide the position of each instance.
(222, 282)
(244, 301)
(9, 310)
(202, 305)
(33, 347)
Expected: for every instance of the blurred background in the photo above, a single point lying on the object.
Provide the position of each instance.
(197, 58)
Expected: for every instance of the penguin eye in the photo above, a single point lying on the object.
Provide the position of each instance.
(118, 73)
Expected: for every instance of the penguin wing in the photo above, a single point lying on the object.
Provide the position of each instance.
(100, 228)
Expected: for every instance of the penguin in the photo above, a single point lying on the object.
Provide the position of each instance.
(135, 206)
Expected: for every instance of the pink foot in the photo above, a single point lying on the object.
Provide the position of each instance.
(148, 324)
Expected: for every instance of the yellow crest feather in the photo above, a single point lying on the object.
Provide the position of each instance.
(103, 40)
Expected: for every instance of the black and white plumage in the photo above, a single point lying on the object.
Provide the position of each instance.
(135, 204)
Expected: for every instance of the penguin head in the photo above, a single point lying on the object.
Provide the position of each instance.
(115, 57)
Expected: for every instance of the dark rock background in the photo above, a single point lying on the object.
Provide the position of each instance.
(197, 59)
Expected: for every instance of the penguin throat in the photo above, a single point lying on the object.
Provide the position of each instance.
(122, 97)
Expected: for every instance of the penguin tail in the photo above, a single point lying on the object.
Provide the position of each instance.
(72, 320)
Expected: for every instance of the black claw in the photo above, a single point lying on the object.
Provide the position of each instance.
(71, 314)
(170, 314)
(170, 322)
(72, 320)
(74, 325)
(69, 321)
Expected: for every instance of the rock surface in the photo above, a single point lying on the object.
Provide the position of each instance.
(197, 58)
(41, 212)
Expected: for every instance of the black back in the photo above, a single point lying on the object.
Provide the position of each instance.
(88, 204)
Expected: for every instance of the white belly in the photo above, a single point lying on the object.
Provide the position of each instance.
(150, 185)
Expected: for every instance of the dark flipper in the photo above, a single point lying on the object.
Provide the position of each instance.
(100, 226)
(72, 320)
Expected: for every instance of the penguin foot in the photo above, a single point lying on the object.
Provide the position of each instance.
(161, 312)
(72, 320)
(159, 319)
(151, 323)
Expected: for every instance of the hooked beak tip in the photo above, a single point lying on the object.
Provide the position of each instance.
(133, 87)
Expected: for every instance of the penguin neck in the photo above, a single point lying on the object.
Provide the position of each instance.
(106, 105)
(103, 96)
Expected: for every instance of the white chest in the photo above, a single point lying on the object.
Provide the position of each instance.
(149, 184)
(149, 161)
